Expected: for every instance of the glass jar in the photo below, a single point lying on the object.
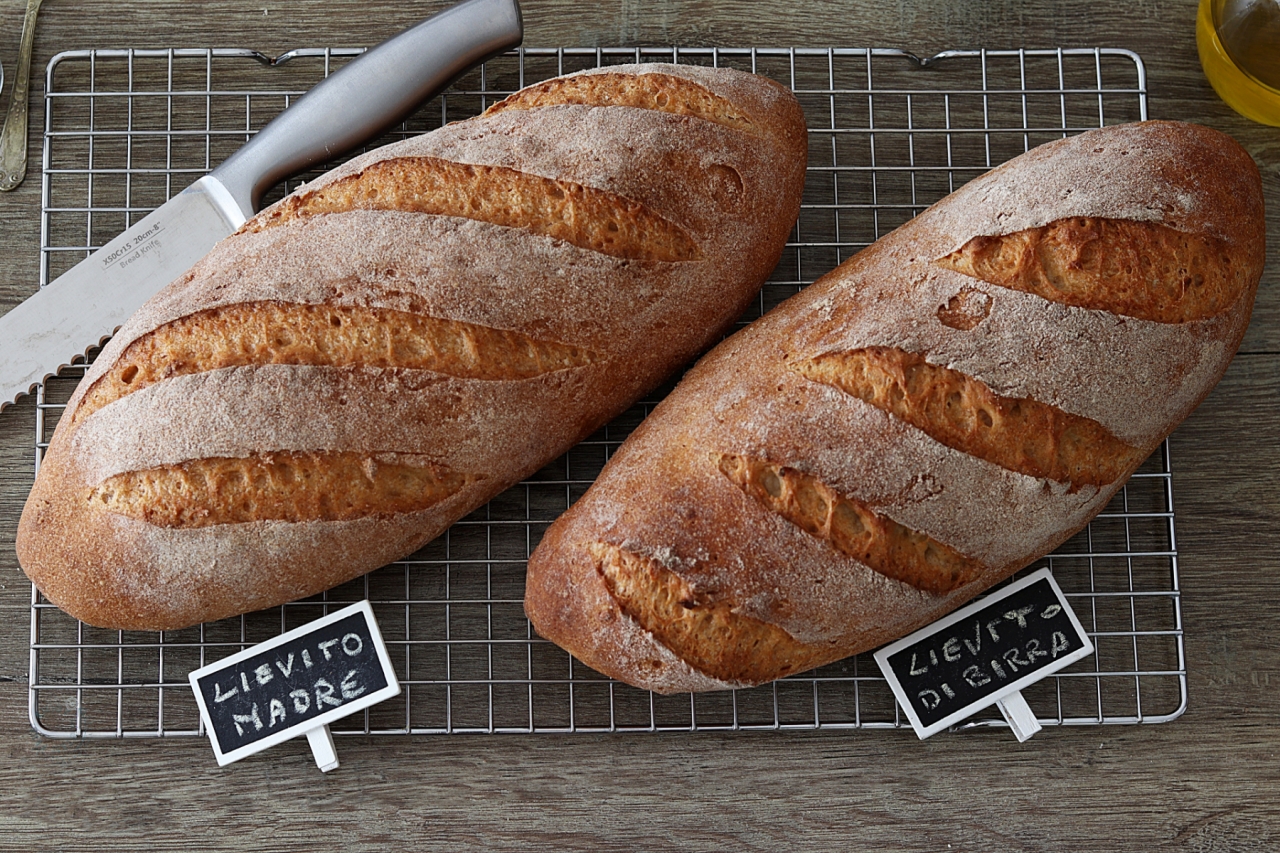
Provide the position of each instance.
(1239, 44)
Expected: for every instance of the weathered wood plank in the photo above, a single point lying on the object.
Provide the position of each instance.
(1206, 781)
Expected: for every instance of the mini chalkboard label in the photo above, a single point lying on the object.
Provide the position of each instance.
(984, 654)
(295, 684)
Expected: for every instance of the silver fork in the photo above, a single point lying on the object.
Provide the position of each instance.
(13, 139)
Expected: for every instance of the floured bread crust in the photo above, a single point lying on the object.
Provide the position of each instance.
(400, 340)
(942, 409)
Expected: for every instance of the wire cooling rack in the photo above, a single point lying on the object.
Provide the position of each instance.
(889, 134)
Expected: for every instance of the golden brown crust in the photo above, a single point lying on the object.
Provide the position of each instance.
(852, 527)
(273, 332)
(704, 630)
(662, 92)
(775, 560)
(563, 210)
(1020, 434)
(1137, 269)
(452, 348)
(290, 487)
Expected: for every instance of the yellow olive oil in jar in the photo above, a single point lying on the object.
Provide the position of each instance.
(1239, 44)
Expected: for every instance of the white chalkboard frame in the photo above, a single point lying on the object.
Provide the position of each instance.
(299, 729)
(922, 731)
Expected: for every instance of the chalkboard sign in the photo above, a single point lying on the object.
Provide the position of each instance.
(302, 680)
(989, 650)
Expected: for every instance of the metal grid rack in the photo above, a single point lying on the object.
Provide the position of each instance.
(889, 134)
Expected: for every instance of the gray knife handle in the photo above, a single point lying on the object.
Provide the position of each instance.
(369, 95)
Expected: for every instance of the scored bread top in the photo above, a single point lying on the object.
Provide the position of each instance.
(1131, 375)
(1187, 177)
(374, 255)
(711, 203)
(903, 433)
(440, 316)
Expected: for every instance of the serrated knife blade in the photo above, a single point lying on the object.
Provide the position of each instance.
(91, 300)
(372, 93)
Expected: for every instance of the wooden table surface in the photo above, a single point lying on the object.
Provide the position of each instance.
(1209, 781)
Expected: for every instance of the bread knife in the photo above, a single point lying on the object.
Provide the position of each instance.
(371, 94)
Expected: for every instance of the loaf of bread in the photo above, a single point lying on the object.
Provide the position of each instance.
(395, 343)
(939, 411)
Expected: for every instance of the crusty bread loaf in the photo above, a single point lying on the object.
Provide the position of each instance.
(392, 345)
(939, 411)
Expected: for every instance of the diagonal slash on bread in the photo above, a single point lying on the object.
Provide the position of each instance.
(398, 341)
(942, 409)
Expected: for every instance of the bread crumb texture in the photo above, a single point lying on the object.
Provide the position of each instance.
(966, 310)
(1143, 270)
(582, 216)
(1018, 434)
(660, 92)
(852, 528)
(292, 487)
(701, 628)
(256, 333)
